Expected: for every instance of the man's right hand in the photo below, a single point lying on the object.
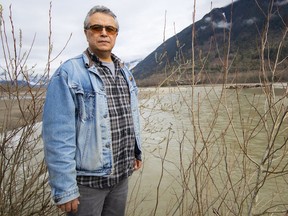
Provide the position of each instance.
(71, 206)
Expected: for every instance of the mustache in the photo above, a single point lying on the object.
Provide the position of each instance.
(106, 41)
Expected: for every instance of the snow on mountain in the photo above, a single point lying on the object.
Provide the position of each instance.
(132, 63)
(35, 80)
(38, 80)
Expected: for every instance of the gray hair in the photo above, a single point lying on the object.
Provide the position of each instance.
(100, 9)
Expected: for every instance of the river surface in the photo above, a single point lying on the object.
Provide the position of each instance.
(207, 150)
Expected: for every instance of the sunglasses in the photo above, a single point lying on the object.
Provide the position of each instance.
(99, 28)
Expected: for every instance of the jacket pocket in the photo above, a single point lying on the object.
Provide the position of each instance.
(85, 105)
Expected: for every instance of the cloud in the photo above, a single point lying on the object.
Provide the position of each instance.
(250, 21)
(203, 27)
(280, 3)
(221, 24)
(141, 31)
(207, 19)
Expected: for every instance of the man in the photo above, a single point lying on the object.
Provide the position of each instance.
(91, 128)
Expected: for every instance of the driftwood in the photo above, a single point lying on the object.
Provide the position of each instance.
(240, 86)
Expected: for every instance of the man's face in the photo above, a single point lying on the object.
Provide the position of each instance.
(101, 40)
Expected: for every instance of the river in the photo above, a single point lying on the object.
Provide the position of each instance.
(207, 150)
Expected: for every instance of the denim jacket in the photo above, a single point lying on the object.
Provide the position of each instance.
(76, 126)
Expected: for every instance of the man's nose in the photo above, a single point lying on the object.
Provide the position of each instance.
(103, 32)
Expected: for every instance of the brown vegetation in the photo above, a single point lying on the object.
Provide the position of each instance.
(17, 111)
(199, 144)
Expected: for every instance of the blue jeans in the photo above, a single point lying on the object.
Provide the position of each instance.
(102, 202)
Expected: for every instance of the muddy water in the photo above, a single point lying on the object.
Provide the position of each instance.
(205, 150)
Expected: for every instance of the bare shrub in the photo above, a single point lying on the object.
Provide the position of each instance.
(23, 176)
(212, 150)
(208, 150)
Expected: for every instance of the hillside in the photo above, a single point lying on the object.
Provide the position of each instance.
(235, 31)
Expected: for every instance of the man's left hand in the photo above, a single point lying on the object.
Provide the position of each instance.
(137, 164)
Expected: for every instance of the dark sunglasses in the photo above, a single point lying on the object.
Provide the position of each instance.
(99, 28)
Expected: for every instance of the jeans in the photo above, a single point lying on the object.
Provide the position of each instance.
(102, 202)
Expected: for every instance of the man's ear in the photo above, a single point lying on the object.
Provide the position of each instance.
(85, 32)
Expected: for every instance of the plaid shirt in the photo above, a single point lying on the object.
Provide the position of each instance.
(122, 130)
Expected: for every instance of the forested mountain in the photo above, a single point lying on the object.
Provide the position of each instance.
(237, 31)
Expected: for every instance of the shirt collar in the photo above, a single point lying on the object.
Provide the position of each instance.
(95, 59)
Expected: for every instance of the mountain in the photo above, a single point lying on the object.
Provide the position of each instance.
(239, 26)
(34, 80)
(131, 64)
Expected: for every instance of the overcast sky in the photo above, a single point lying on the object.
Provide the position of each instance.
(141, 24)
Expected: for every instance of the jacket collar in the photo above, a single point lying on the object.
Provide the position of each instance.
(90, 59)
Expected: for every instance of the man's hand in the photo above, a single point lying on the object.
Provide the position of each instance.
(137, 165)
(71, 206)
